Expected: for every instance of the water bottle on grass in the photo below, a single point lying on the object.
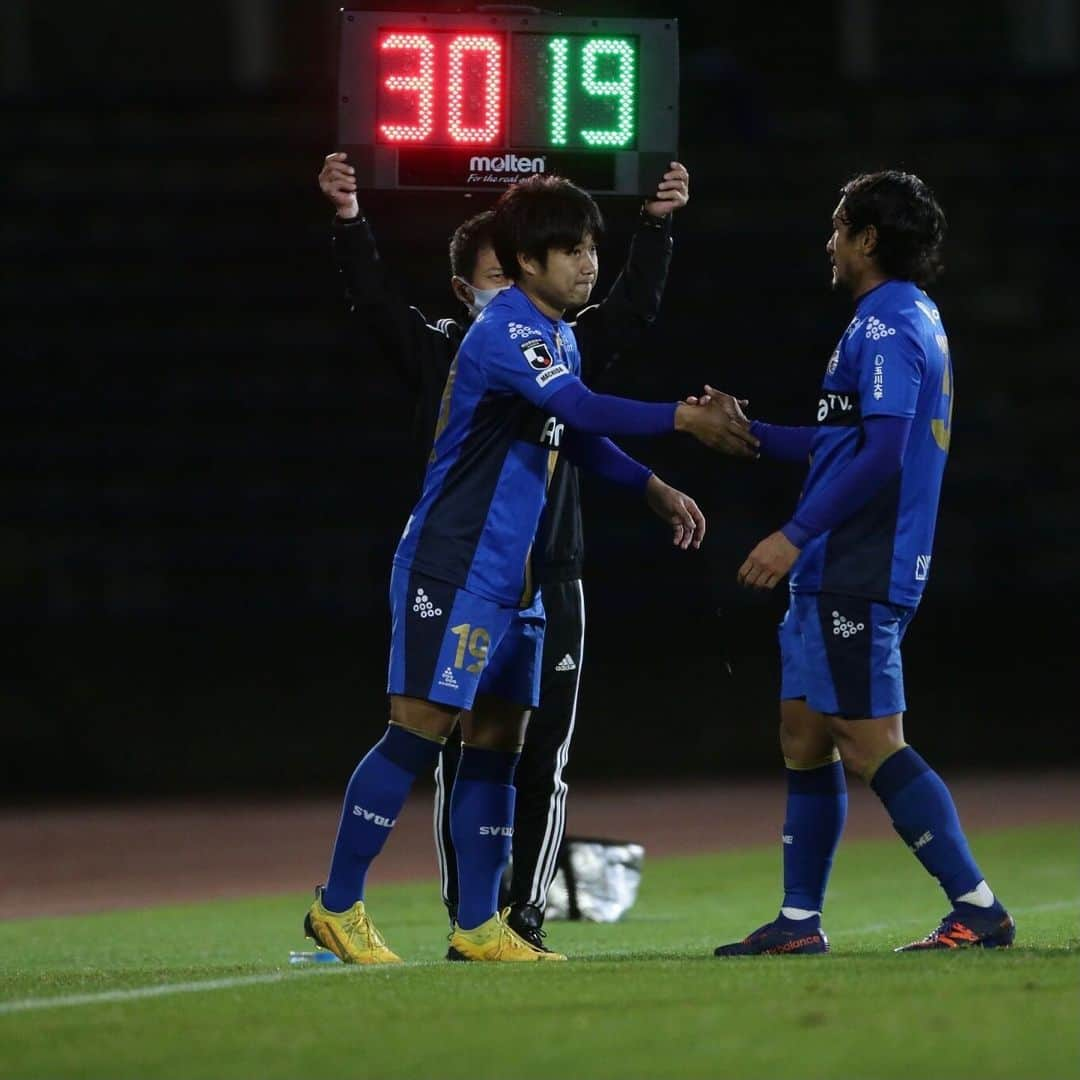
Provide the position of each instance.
(317, 956)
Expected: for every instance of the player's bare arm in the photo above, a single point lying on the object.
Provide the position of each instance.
(337, 181)
(679, 510)
(769, 563)
(672, 193)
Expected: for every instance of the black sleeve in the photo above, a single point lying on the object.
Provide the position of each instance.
(632, 302)
(379, 310)
(418, 352)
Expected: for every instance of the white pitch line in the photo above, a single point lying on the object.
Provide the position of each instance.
(139, 993)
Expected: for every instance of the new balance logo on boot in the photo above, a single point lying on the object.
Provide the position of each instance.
(781, 937)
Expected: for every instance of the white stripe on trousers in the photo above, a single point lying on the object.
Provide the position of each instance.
(440, 847)
(546, 863)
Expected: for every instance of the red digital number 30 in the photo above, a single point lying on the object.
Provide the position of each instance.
(421, 83)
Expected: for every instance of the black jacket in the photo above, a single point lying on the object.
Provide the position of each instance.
(421, 352)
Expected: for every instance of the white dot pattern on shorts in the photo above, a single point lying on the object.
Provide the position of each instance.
(423, 606)
(844, 627)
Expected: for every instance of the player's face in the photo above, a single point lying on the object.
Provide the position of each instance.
(489, 272)
(481, 288)
(568, 278)
(842, 252)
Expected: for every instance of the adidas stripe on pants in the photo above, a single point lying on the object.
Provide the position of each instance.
(540, 815)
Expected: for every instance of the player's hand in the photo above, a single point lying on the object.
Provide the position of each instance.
(769, 563)
(734, 405)
(717, 420)
(672, 192)
(337, 180)
(678, 510)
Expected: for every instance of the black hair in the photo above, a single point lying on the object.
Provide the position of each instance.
(539, 214)
(469, 237)
(909, 221)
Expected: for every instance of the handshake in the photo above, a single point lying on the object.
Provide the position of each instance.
(717, 420)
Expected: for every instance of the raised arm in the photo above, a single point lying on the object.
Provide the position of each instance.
(633, 301)
(373, 300)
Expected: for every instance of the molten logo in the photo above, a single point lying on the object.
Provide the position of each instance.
(507, 163)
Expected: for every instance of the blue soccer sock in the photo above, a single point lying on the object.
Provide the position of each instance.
(374, 798)
(482, 827)
(816, 810)
(923, 813)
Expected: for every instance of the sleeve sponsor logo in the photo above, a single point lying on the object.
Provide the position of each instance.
(518, 331)
(839, 409)
(876, 329)
(922, 567)
(537, 353)
(879, 377)
(551, 374)
(834, 362)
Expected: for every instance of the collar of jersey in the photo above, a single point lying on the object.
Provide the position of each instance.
(517, 292)
(875, 293)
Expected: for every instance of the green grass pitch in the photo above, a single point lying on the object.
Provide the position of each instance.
(205, 990)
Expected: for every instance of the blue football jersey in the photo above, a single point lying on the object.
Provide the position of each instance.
(495, 448)
(892, 360)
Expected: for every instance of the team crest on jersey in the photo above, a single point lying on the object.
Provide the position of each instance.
(931, 313)
(537, 353)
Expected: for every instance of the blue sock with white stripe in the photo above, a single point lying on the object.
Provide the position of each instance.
(482, 826)
(923, 813)
(373, 799)
(816, 811)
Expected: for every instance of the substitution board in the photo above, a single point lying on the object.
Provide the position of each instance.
(477, 101)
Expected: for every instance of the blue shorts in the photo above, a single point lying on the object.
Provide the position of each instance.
(842, 654)
(448, 645)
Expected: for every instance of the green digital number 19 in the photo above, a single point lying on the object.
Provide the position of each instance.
(620, 87)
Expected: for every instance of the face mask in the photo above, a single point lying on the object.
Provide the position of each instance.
(481, 297)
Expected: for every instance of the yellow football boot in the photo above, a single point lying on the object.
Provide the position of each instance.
(351, 935)
(494, 940)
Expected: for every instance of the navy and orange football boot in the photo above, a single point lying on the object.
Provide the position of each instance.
(781, 937)
(993, 929)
